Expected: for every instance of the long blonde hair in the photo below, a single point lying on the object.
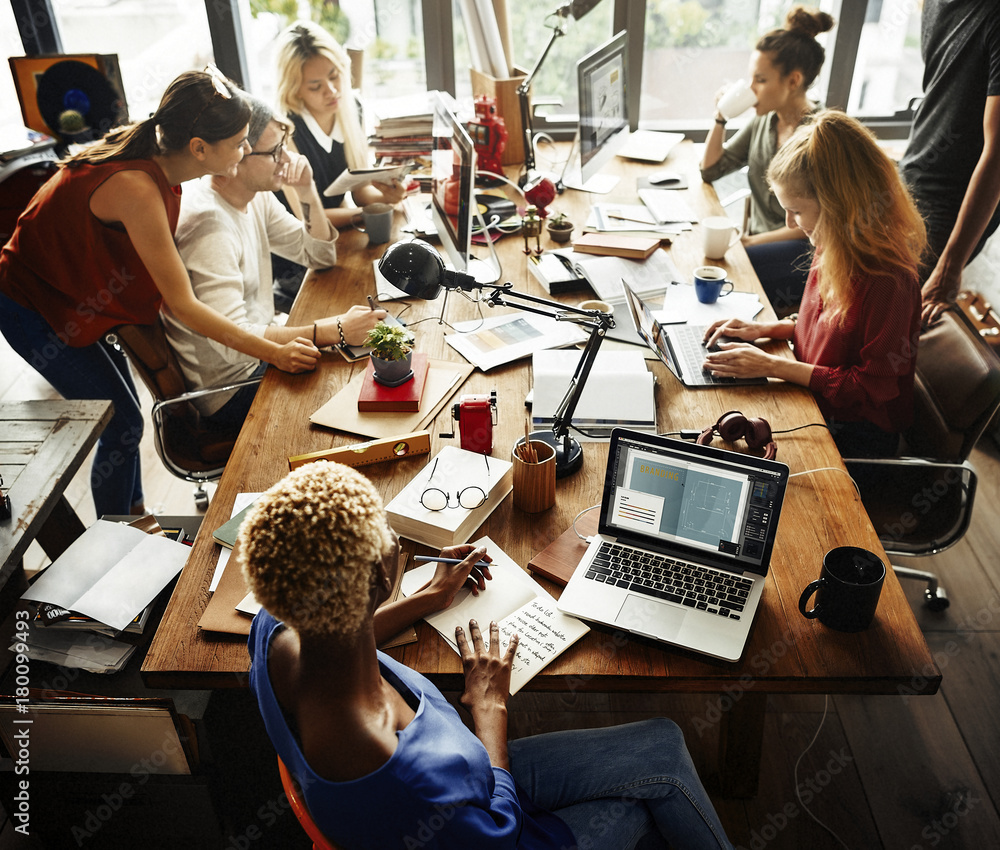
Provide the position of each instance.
(299, 43)
(868, 223)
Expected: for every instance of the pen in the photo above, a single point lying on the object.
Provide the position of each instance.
(371, 303)
(449, 560)
(626, 218)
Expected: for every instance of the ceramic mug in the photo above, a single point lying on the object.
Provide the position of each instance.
(719, 234)
(376, 222)
(709, 283)
(847, 589)
(739, 97)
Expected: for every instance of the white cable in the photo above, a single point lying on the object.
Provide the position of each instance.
(584, 539)
(795, 773)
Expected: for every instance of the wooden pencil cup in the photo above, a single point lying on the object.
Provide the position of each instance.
(535, 483)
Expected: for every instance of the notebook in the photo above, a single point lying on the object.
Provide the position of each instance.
(679, 347)
(683, 545)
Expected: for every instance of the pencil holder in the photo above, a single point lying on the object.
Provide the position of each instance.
(535, 483)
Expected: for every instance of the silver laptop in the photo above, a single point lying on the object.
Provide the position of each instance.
(680, 347)
(684, 543)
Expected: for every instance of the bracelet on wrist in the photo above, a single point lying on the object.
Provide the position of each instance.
(314, 333)
(340, 330)
(720, 119)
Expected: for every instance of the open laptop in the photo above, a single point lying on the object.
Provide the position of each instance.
(684, 543)
(679, 347)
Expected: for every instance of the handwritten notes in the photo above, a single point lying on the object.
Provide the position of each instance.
(518, 603)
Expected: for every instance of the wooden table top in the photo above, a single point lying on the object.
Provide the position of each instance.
(42, 445)
(786, 652)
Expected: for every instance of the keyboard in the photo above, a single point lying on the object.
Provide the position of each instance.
(690, 350)
(713, 591)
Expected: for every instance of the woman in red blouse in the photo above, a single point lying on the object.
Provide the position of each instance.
(855, 337)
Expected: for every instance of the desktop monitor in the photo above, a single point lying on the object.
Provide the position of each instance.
(602, 81)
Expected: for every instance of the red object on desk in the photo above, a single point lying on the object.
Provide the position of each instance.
(376, 398)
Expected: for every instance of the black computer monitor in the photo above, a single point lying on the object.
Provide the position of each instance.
(453, 166)
(602, 78)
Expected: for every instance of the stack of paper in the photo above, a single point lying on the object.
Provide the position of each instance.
(519, 605)
(619, 375)
(649, 278)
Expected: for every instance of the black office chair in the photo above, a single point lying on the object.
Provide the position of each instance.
(921, 503)
(188, 447)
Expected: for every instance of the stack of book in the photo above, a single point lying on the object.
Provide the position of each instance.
(403, 128)
(451, 470)
(377, 398)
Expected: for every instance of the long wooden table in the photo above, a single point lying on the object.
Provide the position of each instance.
(786, 653)
(42, 445)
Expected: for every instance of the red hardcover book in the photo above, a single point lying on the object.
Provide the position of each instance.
(375, 398)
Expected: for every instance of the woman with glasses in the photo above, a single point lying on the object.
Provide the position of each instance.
(95, 249)
(382, 758)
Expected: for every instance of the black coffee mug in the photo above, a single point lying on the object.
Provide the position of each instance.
(847, 589)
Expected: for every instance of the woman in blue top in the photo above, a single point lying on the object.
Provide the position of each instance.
(382, 758)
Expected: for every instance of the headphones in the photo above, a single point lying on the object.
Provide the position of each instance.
(733, 425)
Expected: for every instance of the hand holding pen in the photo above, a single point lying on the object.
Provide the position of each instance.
(458, 566)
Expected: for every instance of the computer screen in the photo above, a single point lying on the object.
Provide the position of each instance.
(453, 166)
(602, 77)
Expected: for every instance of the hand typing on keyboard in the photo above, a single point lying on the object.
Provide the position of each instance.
(732, 356)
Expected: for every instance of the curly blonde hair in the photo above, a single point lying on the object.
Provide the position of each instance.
(309, 547)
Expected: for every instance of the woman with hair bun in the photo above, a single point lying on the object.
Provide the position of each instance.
(783, 66)
(95, 249)
(855, 336)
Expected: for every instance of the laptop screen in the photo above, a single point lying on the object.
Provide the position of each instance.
(697, 502)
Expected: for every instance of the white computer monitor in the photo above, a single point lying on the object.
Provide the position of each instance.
(453, 166)
(602, 85)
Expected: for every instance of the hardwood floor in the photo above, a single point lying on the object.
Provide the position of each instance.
(888, 772)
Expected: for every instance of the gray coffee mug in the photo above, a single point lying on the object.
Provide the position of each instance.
(847, 589)
(376, 222)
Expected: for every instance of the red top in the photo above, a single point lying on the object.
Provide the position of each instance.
(82, 276)
(864, 367)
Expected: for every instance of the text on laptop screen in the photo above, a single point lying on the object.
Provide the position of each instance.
(699, 504)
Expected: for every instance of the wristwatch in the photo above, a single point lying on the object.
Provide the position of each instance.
(720, 119)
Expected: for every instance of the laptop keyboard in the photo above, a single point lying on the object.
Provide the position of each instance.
(691, 350)
(661, 577)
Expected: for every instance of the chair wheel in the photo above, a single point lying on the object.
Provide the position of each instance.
(936, 600)
(200, 499)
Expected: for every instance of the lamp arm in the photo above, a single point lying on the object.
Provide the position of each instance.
(567, 407)
(558, 311)
(522, 94)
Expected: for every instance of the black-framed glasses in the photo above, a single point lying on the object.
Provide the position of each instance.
(436, 499)
(219, 82)
(276, 152)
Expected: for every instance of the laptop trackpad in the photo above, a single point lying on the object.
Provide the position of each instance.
(649, 617)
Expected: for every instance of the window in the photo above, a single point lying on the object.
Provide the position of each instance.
(10, 41)
(155, 41)
(889, 70)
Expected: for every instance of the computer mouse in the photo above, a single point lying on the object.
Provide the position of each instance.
(660, 178)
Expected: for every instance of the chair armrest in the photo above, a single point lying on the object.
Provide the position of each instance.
(204, 392)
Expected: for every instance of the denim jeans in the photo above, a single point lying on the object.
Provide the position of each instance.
(783, 268)
(616, 786)
(95, 371)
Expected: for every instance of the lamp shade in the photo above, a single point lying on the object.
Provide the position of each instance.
(414, 267)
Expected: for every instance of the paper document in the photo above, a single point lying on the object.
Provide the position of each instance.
(650, 145)
(649, 277)
(90, 652)
(681, 305)
(665, 205)
(110, 573)
(496, 340)
(517, 602)
(349, 180)
(240, 503)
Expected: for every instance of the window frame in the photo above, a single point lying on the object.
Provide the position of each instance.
(39, 33)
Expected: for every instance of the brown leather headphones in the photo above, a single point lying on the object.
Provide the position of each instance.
(733, 425)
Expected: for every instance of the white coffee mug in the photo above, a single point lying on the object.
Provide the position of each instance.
(719, 234)
(739, 97)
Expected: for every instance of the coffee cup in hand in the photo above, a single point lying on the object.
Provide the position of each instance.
(738, 98)
(709, 283)
(847, 590)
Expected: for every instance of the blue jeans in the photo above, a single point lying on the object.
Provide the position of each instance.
(95, 371)
(783, 268)
(615, 786)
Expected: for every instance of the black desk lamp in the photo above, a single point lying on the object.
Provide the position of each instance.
(576, 10)
(418, 270)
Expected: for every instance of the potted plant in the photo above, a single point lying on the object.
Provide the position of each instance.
(560, 228)
(392, 351)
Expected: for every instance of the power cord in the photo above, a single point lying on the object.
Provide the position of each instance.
(585, 510)
(795, 775)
